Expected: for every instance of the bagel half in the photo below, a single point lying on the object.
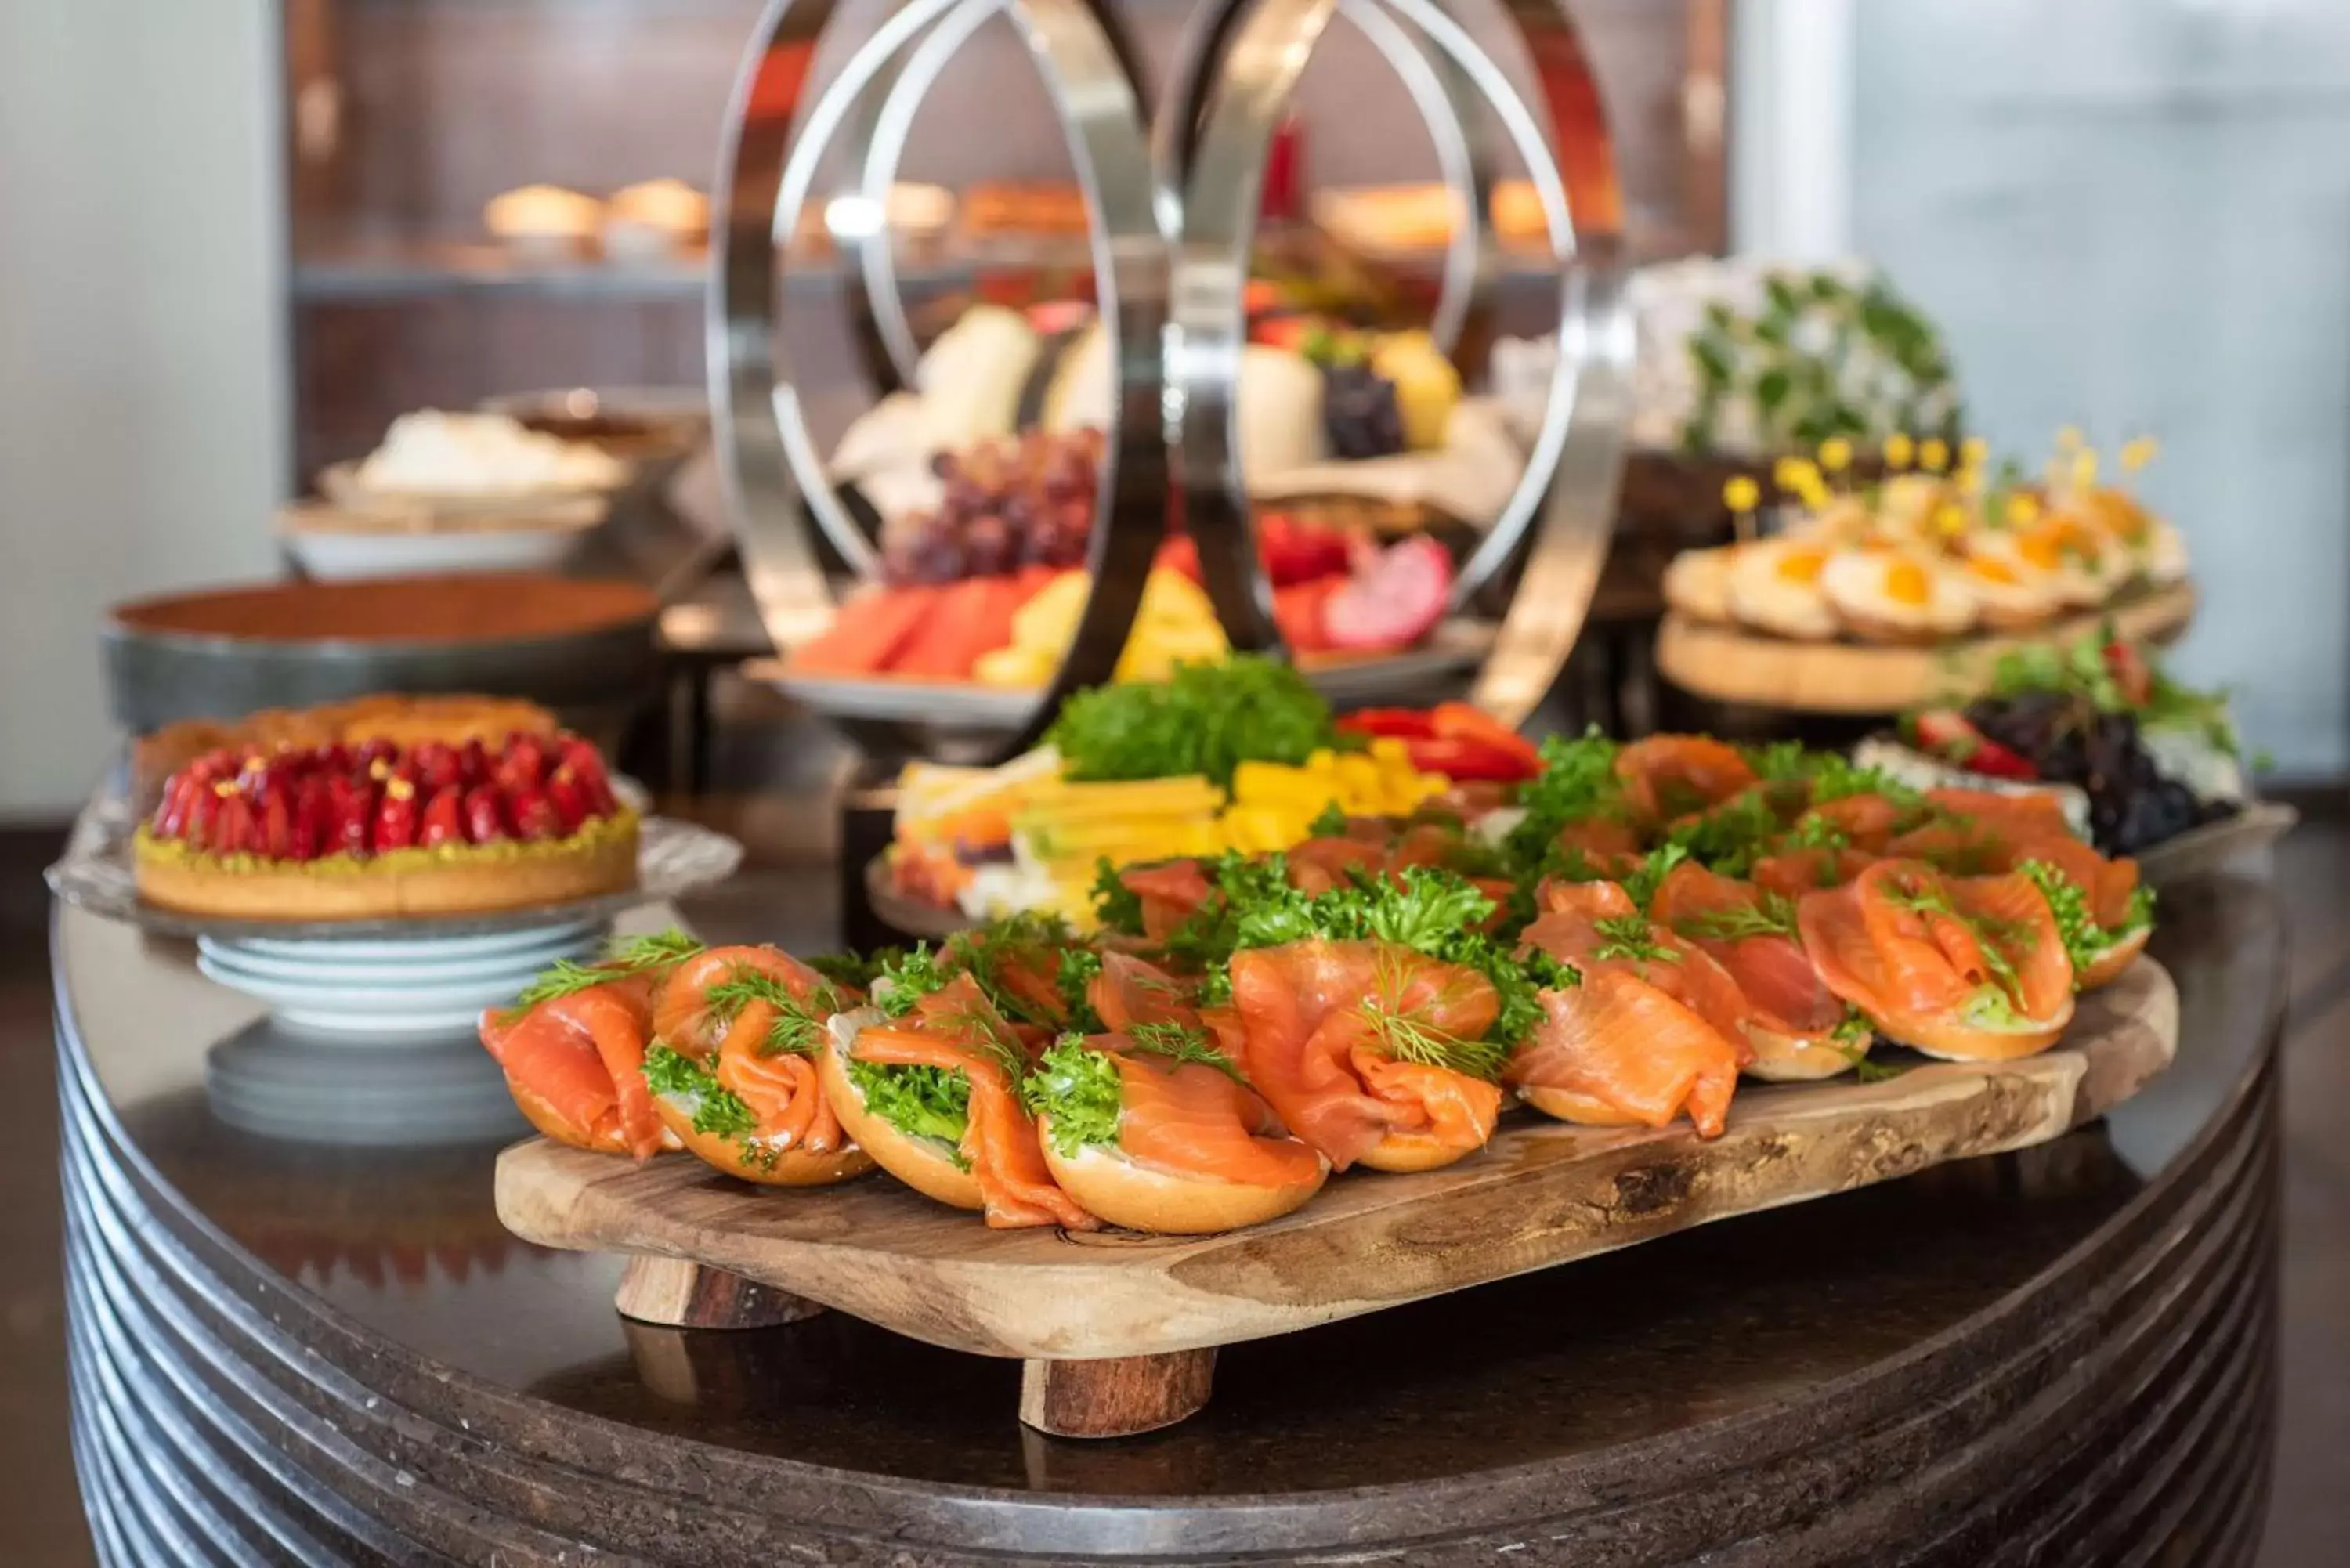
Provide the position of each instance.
(1782, 1057)
(924, 1164)
(1954, 1040)
(1162, 1202)
(765, 1164)
(1583, 1110)
(1401, 1154)
(2110, 964)
(559, 1128)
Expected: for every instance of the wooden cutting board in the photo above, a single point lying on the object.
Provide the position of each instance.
(1542, 1193)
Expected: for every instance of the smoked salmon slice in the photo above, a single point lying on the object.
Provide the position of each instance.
(957, 1029)
(1793, 1016)
(1666, 777)
(1792, 873)
(583, 1055)
(1617, 1052)
(1327, 1032)
(1170, 892)
(1190, 1118)
(1131, 990)
(707, 1007)
(1595, 926)
(1969, 968)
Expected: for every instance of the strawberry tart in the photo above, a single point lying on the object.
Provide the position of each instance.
(385, 827)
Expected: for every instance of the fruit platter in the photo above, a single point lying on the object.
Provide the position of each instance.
(1366, 467)
(1639, 987)
(1879, 597)
(2142, 764)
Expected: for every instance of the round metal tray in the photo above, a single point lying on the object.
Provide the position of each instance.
(1455, 646)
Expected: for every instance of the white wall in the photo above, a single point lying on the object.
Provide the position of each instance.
(142, 362)
(2129, 214)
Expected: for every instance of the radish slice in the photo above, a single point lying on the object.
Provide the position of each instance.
(1394, 603)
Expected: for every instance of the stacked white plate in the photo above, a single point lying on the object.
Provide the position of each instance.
(279, 1083)
(386, 991)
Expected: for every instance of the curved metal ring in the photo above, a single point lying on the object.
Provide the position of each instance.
(767, 169)
(1219, 143)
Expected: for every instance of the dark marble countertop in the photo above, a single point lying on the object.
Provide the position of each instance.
(1747, 1356)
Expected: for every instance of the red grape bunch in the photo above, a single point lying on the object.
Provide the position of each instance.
(1025, 501)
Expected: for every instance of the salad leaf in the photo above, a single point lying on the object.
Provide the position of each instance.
(931, 1103)
(912, 976)
(2085, 941)
(717, 1109)
(1078, 1086)
(1204, 719)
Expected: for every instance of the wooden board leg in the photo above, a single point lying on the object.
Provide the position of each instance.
(679, 1294)
(1116, 1397)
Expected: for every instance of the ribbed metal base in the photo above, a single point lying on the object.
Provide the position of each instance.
(2120, 1412)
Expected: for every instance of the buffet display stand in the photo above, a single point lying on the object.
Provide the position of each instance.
(289, 1352)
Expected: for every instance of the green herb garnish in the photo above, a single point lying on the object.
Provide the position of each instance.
(1328, 823)
(1731, 836)
(2085, 941)
(1072, 979)
(1183, 1045)
(912, 975)
(1641, 886)
(1578, 783)
(627, 956)
(931, 1103)
(1078, 1088)
(985, 950)
(1117, 907)
(797, 1029)
(1771, 915)
(1629, 937)
(851, 970)
(1204, 719)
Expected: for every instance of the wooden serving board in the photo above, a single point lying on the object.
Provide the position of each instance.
(1542, 1193)
(1730, 664)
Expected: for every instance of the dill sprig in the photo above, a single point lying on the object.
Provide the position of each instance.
(625, 956)
(1184, 1047)
(797, 1029)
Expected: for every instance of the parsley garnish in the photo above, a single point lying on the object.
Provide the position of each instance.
(1641, 886)
(626, 957)
(1577, 783)
(1813, 831)
(1330, 823)
(1203, 718)
(1117, 907)
(1629, 937)
(1730, 836)
(2084, 940)
(849, 969)
(1072, 979)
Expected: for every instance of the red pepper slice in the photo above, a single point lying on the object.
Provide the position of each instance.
(1460, 757)
(1464, 721)
(1405, 724)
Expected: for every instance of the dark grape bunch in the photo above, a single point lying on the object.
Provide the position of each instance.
(1026, 500)
(1360, 416)
(2132, 806)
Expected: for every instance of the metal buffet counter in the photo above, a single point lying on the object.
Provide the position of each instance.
(297, 1352)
